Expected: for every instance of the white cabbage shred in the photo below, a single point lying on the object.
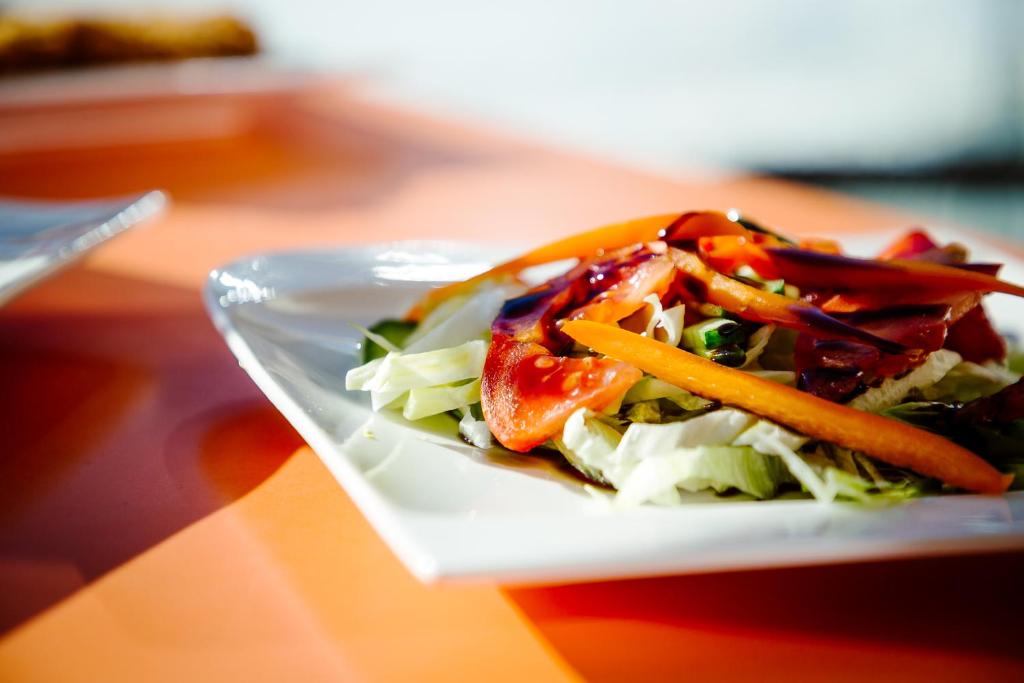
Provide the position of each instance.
(969, 381)
(475, 431)
(895, 389)
(459, 319)
(722, 449)
(438, 370)
(665, 325)
(757, 344)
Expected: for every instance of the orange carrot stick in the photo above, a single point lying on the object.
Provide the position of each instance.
(887, 439)
(762, 306)
(606, 238)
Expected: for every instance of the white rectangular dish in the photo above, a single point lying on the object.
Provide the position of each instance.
(452, 511)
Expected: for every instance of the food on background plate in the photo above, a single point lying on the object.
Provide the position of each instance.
(30, 43)
(702, 351)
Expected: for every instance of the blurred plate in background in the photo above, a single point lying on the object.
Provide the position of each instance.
(109, 106)
(39, 238)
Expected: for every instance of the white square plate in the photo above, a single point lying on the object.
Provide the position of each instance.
(451, 511)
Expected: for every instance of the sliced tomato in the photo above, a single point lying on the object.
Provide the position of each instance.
(626, 297)
(527, 394)
(527, 390)
(914, 243)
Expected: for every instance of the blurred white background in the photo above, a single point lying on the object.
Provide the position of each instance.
(916, 102)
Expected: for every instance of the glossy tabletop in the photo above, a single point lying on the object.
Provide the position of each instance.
(160, 521)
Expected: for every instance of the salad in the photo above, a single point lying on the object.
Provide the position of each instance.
(704, 352)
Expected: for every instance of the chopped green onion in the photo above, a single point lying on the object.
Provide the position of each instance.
(711, 334)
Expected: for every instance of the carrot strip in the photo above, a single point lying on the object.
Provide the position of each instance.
(887, 439)
(762, 306)
(831, 271)
(695, 224)
(605, 238)
(726, 253)
(688, 226)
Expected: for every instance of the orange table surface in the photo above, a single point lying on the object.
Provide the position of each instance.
(160, 521)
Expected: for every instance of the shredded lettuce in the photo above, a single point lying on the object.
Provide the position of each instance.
(767, 437)
(404, 371)
(384, 337)
(458, 320)
(779, 350)
(840, 472)
(426, 401)
(651, 388)
(895, 389)
(645, 411)
(720, 450)
(589, 444)
(856, 488)
(706, 467)
(668, 321)
(375, 345)
(360, 376)
(717, 428)
(389, 378)
(757, 343)
(475, 431)
(968, 381)
(650, 462)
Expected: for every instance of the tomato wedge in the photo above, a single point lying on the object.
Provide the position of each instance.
(528, 391)
(626, 297)
(912, 244)
(527, 394)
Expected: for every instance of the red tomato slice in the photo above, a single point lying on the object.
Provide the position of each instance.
(914, 243)
(527, 394)
(626, 297)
